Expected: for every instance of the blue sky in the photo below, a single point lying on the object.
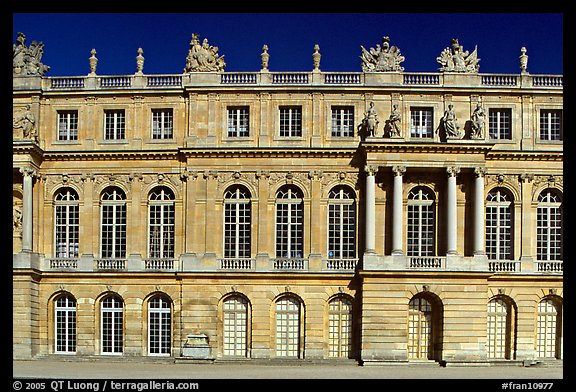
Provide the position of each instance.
(165, 37)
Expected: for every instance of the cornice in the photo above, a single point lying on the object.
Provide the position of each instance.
(67, 155)
(259, 152)
(509, 155)
(426, 147)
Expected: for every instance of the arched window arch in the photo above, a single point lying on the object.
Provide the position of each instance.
(113, 223)
(549, 226)
(161, 220)
(288, 310)
(159, 325)
(500, 328)
(237, 222)
(65, 324)
(549, 329)
(341, 223)
(421, 222)
(340, 327)
(289, 222)
(66, 223)
(235, 331)
(499, 225)
(111, 324)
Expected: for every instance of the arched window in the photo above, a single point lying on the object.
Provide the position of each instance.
(161, 217)
(339, 327)
(287, 327)
(237, 223)
(235, 326)
(65, 324)
(66, 223)
(341, 223)
(499, 225)
(421, 222)
(549, 226)
(499, 329)
(159, 325)
(419, 329)
(289, 223)
(112, 325)
(549, 329)
(113, 223)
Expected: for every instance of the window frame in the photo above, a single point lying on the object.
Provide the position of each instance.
(164, 323)
(545, 232)
(549, 136)
(118, 226)
(237, 207)
(422, 132)
(502, 240)
(345, 115)
(118, 121)
(503, 131)
(71, 125)
(162, 132)
(292, 117)
(423, 212)
(166, 207)
(69, 211)
(69, 313)
(341, 239)
(292, 221)
(114, 312)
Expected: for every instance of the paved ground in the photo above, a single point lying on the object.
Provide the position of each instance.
(194, 371)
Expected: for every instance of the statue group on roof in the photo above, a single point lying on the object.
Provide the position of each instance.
(203, 57)
(27, 60)
(382, 59)
(455, 59)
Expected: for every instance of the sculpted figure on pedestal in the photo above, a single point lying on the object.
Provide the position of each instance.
(203, 57)
(383, 58)
(455, 59)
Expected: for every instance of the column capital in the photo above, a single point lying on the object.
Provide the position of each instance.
(452, 171)
(371, 169)
(28, 171)
(480, 171)
(399, 170)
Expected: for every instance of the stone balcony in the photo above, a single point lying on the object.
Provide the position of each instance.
(268, 79)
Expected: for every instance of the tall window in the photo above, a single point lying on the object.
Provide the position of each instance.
(341, 223)
(421, 122)
(419, 329)
(548, 329)
(238, 121)
(499, 124)
(162, 124)
(549, 226)
(421, 220)
(67, 223)
(287, 327)
(65, 320)
(159, 325)
(342, 121)
(339, 327)
(551, 125)
(68, 125)
(235, 326)
(499, 326)
(289, 223)
(113, 229)
(237, 224)
(499, 225)
(111, 318)
(114, 125)
(291, 121)
(161, 216)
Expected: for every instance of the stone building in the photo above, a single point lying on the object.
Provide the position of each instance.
(381, 215)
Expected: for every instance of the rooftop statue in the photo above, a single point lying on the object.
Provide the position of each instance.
(27, 60)
(382, 59)
(203, 57)
(455, 59)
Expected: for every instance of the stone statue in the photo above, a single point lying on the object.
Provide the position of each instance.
(392, 129)
(26, 122)
(369, 123)
(384, 58)
(16, 218)
(449, 124)
(203, 57)
(454, 59)
(477, 123)
(28, 60)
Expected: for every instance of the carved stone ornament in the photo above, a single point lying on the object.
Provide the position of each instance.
(455, 59)
(203, 57)
(384, 58)
(24, 124)
(26, 60)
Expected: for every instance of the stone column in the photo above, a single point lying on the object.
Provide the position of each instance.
(479, 211)
(27, 173)
(370, 209)
(451, 211)
(397, 210)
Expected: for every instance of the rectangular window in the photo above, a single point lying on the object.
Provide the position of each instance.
(499, 124)
(291, 121)
(162, 124)
(550, 125)
(238, 121)
(421, 125)
(115, 125)
(68, 125)
(342, 121)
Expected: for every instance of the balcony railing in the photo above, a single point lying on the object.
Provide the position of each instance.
(62, 263)
(341, 264)
(110, 264)
(550, 266)
(290, 264)
(159, 264)
(504, 266)
(427, 262)
(236, 264)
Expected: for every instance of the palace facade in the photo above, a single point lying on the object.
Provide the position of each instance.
(381, 215)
